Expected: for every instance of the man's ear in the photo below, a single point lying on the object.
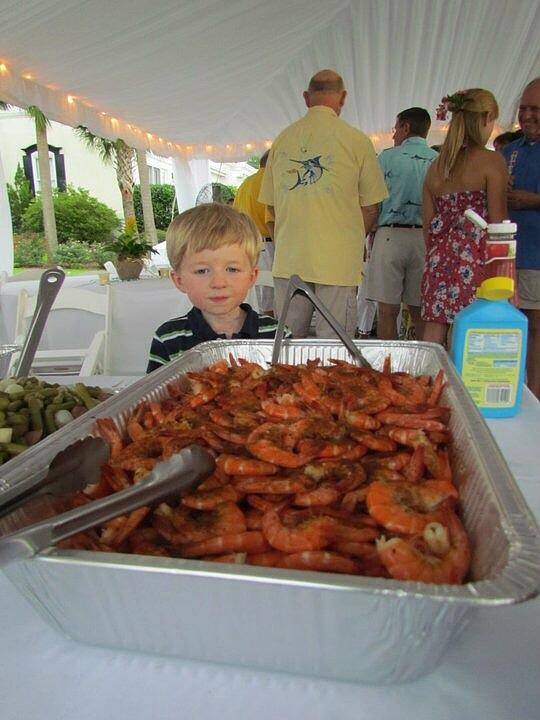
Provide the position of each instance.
(307, 99)
(177, 280)
(342, 99)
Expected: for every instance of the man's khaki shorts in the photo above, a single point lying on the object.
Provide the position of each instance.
(395, 269)
(340, 300)
(529, 289)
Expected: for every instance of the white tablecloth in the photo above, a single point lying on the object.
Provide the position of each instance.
(137, 309)
(491, 672)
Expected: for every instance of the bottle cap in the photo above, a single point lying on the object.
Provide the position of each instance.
(506, 227)
(496, 288)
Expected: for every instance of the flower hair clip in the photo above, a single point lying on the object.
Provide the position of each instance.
(451, 103)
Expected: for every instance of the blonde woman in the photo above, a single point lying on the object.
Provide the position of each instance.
(465, 175)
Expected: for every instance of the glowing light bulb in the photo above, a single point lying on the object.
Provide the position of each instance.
(3, 69)
(208, 148)
(268, 144)
(28, 76)
(70, 99)
(149, 136)
(249, 146)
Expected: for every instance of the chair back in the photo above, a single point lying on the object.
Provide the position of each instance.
(264, 279)
(92, 359)
(109, 267)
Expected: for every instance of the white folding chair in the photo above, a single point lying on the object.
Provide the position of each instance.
(256, 296)
(30, 274)
(109, 267)
(90, 360)
(150, 270)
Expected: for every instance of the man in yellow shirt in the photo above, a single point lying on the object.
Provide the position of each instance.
(322, 184)
(246, 201)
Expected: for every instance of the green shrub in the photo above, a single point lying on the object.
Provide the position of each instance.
(73, 254)
(79, 217)
(29, 250)
(162, 202)
(100, 254)
(20, 196)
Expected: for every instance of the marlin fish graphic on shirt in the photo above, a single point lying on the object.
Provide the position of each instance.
(310, 172)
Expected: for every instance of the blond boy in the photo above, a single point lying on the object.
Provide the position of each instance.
(213, 250)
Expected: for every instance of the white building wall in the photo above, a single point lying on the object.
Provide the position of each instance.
(84, 167)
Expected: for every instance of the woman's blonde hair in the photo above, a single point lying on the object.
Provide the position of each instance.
(209, 227)
(469, 109)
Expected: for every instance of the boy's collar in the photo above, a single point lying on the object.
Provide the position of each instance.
(202, 329)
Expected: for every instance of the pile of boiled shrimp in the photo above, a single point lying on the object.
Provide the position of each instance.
(334, 468)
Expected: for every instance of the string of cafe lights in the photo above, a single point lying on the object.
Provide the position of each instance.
(152, 141)
(161, 146)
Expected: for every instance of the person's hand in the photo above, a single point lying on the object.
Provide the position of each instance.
(523, 200)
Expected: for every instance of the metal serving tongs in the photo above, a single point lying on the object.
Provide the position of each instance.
(296, 284)
(49, 286)
(177, 475)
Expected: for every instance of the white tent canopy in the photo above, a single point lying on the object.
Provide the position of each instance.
(220, 78)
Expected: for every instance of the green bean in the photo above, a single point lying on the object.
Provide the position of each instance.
(36, 418)
(16, 419)
(4, 402)
(50, 423)
(67, 405)
(15, 405)
(14, 448)
(19, 431)
(3, 418)
(49, 391)
(82, 392)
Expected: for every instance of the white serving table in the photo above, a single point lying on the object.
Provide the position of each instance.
(492, 671)
(138, 307)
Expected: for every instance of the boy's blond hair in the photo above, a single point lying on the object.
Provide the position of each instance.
(209, 227)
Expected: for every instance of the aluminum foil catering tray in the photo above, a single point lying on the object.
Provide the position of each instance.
(352, 628)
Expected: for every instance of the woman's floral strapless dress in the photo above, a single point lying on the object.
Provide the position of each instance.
(455, 256)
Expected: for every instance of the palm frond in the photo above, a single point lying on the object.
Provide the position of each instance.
(39, 117)
(106, 149)
(4, 105)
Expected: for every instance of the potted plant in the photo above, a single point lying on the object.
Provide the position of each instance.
(131, 248)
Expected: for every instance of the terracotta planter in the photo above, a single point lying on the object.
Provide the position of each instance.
(128, 269)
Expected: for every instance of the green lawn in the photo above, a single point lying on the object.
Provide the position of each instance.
(68, 271)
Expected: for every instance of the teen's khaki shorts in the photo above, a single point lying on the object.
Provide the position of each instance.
(395, 268)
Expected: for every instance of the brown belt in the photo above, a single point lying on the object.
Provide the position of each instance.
(400, 225)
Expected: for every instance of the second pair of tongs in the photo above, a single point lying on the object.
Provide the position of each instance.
(296, 284)
(174, 476)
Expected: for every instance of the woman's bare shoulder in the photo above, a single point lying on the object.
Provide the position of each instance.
(490, 158)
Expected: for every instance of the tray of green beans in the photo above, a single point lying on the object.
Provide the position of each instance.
(31, 409)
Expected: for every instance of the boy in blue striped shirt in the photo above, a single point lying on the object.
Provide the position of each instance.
(213, 250)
